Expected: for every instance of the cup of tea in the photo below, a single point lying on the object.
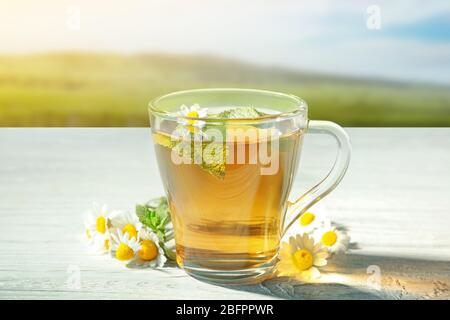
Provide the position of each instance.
(227, 159)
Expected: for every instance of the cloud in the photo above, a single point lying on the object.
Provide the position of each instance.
(323, 35)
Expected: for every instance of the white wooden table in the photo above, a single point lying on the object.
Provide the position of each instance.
(395, 201)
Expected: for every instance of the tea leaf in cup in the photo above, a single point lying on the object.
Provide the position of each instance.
(214, 156)
(210, 156)
(240, 113)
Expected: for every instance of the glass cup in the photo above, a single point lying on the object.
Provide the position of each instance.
(228, 175)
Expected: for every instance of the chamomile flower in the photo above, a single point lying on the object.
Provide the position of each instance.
(126, 222)
(336, 241)
(192, 126)
(96, 223)
(301, 257)
(309, 221)
(193, 112)
(124, 248)
(150, 253)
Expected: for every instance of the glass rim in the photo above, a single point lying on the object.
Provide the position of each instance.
(301, 105)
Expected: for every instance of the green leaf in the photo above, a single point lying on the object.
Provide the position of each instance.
(214, 158)
(210, 156)
(240, 113)
(141, 211)
(145, 215)
(162, 209)
(155, 215)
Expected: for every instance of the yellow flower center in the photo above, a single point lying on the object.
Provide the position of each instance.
(106, 244)
(149, 250)
(329, 238)
(101, 224)
(124, 252)
(88, 233)
(131, 230)
(179, 261)
(191, 128)
(193, 114)
(303, 259)
(307, 218)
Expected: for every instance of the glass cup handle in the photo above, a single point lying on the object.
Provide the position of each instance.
(297, 208)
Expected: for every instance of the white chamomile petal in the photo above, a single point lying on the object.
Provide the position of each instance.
(181, 131)
(184, 110)
(195, 131)
(170, 249)
(146, 234)
(170, 244)
(101, 243)
(293, 243)
(308, 242)
(320, 261)
(314, 273)
(203, 112)
(168, 227)
(199, 123)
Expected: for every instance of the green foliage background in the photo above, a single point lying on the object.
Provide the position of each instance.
(84, 89)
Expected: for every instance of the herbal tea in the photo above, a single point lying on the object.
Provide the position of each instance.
(228, 215)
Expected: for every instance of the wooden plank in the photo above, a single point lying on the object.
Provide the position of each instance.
(394, 201)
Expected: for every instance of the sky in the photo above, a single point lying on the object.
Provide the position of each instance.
(395, 39)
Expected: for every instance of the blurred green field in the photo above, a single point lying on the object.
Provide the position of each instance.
(74, 89)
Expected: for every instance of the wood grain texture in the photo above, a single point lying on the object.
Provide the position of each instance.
(395, 202)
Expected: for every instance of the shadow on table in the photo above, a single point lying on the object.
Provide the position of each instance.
(357, 276)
